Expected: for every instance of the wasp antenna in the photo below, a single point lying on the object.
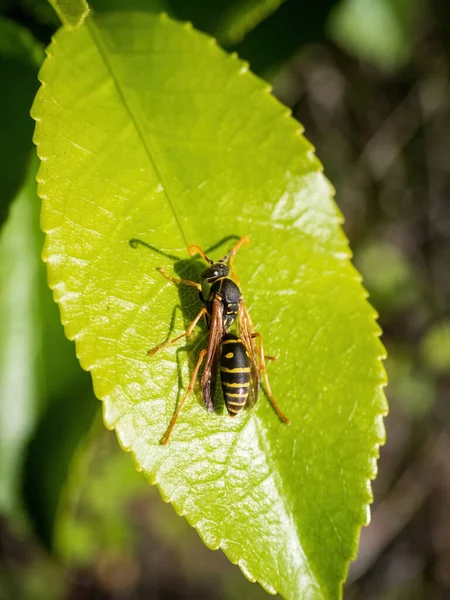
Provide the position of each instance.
(193, 249)
(244, 240)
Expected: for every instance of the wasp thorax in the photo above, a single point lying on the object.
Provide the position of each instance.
(214, 272)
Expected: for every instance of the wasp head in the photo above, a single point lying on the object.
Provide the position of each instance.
(214, 272)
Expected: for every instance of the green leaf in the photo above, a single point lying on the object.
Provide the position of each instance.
(19, 342)
(411, 385)
(71, 12)
(63, 427)
(276, 39)
(148, 130)
(393, 283)
(41, 13)
(435, 348)
(92, 517)
(36, 362)
(228, 21)
(245, 17)
(17, 43)
(20, 56)
(380, 32)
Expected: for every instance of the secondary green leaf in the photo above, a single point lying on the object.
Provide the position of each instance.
(245, 18)
(19, 342)
(283, 34)
(380, 32)
(226, 20)
(62, 429)
(435, 347)
(36, 361)
(71, 12)
(20, 56)
(18, 44)
(147, 129)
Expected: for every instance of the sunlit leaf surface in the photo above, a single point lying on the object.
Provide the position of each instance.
(148, 130)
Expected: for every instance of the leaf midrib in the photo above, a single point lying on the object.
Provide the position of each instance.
(149, 145)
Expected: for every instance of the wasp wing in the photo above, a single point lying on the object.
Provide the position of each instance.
(216, 333)
(245, 327)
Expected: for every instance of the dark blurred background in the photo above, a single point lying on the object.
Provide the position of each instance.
(369, 81)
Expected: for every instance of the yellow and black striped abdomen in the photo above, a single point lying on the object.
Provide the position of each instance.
(234, 373)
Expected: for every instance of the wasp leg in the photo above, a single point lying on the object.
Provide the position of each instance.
(262, 368)
(178, 280)
(231, 254)
(188, 331)
(166, 437)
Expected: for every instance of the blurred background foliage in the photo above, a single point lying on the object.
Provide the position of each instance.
(370, 82)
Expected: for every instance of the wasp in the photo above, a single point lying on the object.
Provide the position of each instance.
(237, 358)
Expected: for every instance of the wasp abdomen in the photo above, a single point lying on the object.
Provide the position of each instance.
(234, 373)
